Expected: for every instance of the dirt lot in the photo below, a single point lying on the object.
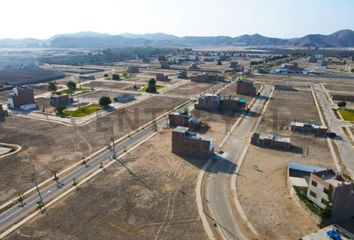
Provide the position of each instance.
(191, 88)
(16, 76)
(73, 69)
(49, 146)
(263, 174)
(44, 102)
(110, 84)
(116, 205)
(341, 88)
(100, 93)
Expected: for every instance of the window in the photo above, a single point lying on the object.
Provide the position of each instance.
(313, 194)
(313, 183)
(324, 201)
(325, 190)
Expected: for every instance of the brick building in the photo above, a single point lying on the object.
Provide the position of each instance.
(207, 77)
(184, 119)
(60, 100)
(245, 88)
(328, 189)
(270, 141)
(162, 77)
(133, 69)
(21, 96)
(191, 144)
(308, 128)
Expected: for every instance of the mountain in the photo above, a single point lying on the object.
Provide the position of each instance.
(342, 38)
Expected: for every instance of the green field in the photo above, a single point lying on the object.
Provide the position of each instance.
(347, 114)
(68, 91)
(143, 89)
(83, 111)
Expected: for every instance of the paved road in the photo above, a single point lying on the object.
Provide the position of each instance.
(15, 213)
(346, 150)
(218, 183)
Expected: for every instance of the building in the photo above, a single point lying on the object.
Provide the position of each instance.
(182, 74)
(124, 98)
(212, 102)
(3, 113)
(191, 144)
(270, 141)
(162, 77)
(60, 100)
(164, 64)
(309, 128)
(245, 88)
(133, 69)
(290, 66)
(324, 234)
(22, 97)
(207, 77)
(349, 98)
(184, 119)
(328, 189)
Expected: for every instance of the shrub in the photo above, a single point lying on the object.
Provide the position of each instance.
(105, 101)
(115, 76)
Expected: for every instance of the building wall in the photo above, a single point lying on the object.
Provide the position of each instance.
(316, 191)
(246, 88)
(349, 98)
(2, 113)
(161, 77)
(343, 202)
(133, 69)
(22, 96)
(178, 120)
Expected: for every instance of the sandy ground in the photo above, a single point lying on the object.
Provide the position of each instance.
(100, 93)
(343, 88)
(110, 84)
(191, 88)
(49, 146)
(262, 186)
(117, 205)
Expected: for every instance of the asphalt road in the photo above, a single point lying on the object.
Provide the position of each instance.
(219, 205)
(345, 148)
(17, 212)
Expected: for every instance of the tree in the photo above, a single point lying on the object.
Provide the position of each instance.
(342, 104)
(71, 85)
(115, 76)
(105, 101)
(52, 87)
(60, 110)
(105, 75)
(151, 86)
(219, 63)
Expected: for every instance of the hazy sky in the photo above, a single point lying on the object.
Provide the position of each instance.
(278, 18)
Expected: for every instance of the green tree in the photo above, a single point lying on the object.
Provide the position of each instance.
(342, 104)
(71, 85)
(115, 76)
(105, 75)
(60, 110)
(219, 63)
(52, 87)
(151, 86)
(105, 101)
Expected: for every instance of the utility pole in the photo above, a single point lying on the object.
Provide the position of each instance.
(113, 144)
(75, 183)
(20, 199)
(56, 178)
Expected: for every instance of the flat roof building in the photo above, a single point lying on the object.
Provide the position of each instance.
(183, 119)
(308, 128)
(207, 77)
(21, 96)
(191, 144)
(270, 141)
(214, 102)
(133, 69)
(162, 77)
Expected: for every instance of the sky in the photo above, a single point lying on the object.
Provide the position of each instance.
(274, 18)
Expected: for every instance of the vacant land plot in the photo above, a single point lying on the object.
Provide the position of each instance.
(17, 76)
(111, 84)
(100, 93)
(117, 205)
(49, 146)
(44, 103)
(73, 69)
(263, 174)
(192, 88)
(341, 88)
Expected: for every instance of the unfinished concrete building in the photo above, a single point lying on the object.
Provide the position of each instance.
(245, 88)
(184, 119)
(328, 189)
(162, 77)
(182, 74)
(133, 69)
(309, 128)
(22, 97)
(191, 144)
(207, 77)
(270, 141)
